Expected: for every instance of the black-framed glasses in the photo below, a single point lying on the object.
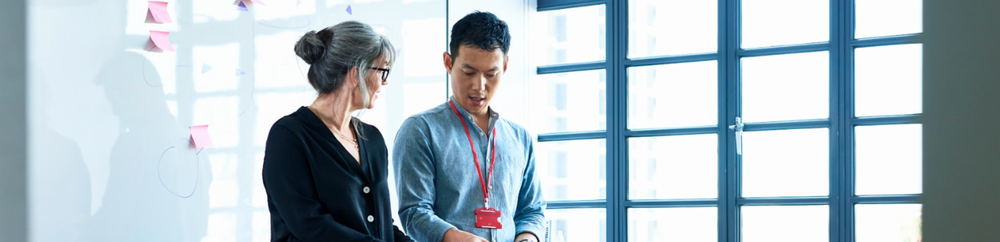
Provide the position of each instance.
(385, 73)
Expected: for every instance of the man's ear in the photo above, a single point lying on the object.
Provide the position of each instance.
(447, 62)
(505, 59)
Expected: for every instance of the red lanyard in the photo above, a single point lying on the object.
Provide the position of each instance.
(486, 195)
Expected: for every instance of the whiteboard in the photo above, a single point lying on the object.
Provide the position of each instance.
(109, 151)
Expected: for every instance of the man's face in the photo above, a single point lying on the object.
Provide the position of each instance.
(475, 76)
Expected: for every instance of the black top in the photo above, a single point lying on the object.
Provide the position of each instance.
(316, 191)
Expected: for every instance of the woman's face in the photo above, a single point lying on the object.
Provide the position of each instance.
(375, 79)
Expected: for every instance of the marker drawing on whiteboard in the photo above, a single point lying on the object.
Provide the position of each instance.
(144, 69)
(349, 10)
(196, 176)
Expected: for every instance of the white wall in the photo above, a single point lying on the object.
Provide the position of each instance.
(13, 122)
(962, 121)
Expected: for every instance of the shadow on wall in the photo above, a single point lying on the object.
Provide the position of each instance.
(62, 201)
(156, 185)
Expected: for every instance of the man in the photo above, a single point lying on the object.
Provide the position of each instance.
(463, 173)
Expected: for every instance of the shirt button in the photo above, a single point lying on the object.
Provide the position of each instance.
(366, 190)
(482, 134)
(371, 218)
(491, 187)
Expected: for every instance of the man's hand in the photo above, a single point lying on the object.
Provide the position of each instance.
(526, 237)
(455, 235)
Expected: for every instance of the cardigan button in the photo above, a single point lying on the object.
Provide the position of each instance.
(366, 190)
(371, 218)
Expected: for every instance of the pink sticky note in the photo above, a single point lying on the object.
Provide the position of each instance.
(261, 2)
(159, 11)
(161, 40)
(199, 136)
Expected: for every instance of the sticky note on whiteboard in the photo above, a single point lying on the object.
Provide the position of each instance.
(199, 136)
(160, 40)
(159, 11)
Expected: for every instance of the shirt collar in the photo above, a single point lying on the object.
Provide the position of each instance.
(466, 115)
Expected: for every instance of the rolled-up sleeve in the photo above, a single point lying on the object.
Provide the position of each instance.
(413, 162)
(530, 213)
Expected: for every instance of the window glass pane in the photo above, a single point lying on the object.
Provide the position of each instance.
(674, 167)
(786, 87)
(573, 225)
(888, 80)
(887, 222)
(570, 35)
(784, 22)
(672, 27)
(786, 163)
(673, 224)
(675, 95)
(571, 170)
(889, 159)
(568, 102)
(887, 17)
(785, 223)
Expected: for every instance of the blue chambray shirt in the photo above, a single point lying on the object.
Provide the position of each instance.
(439, 189)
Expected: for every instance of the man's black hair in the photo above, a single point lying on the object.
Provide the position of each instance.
(482, 30)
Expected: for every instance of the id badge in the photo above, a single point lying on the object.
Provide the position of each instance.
(488, 218)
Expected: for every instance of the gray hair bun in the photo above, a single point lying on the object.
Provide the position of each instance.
(311, 47)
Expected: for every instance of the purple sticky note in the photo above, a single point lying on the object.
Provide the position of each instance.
(159, 11)
(239, 72)
(199, 136)
(205, 68)
(161, 40)
(242, 7)
(349, 10)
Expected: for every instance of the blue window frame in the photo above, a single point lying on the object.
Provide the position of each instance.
(841, 121)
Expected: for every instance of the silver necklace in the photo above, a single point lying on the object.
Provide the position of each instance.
(352, 141)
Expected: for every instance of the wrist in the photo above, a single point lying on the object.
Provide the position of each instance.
(526, 237)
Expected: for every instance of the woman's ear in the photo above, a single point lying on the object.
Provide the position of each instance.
(352, 76)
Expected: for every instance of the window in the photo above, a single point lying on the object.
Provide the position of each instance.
(731, 121)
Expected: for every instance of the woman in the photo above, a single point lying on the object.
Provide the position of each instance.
(324, 170)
